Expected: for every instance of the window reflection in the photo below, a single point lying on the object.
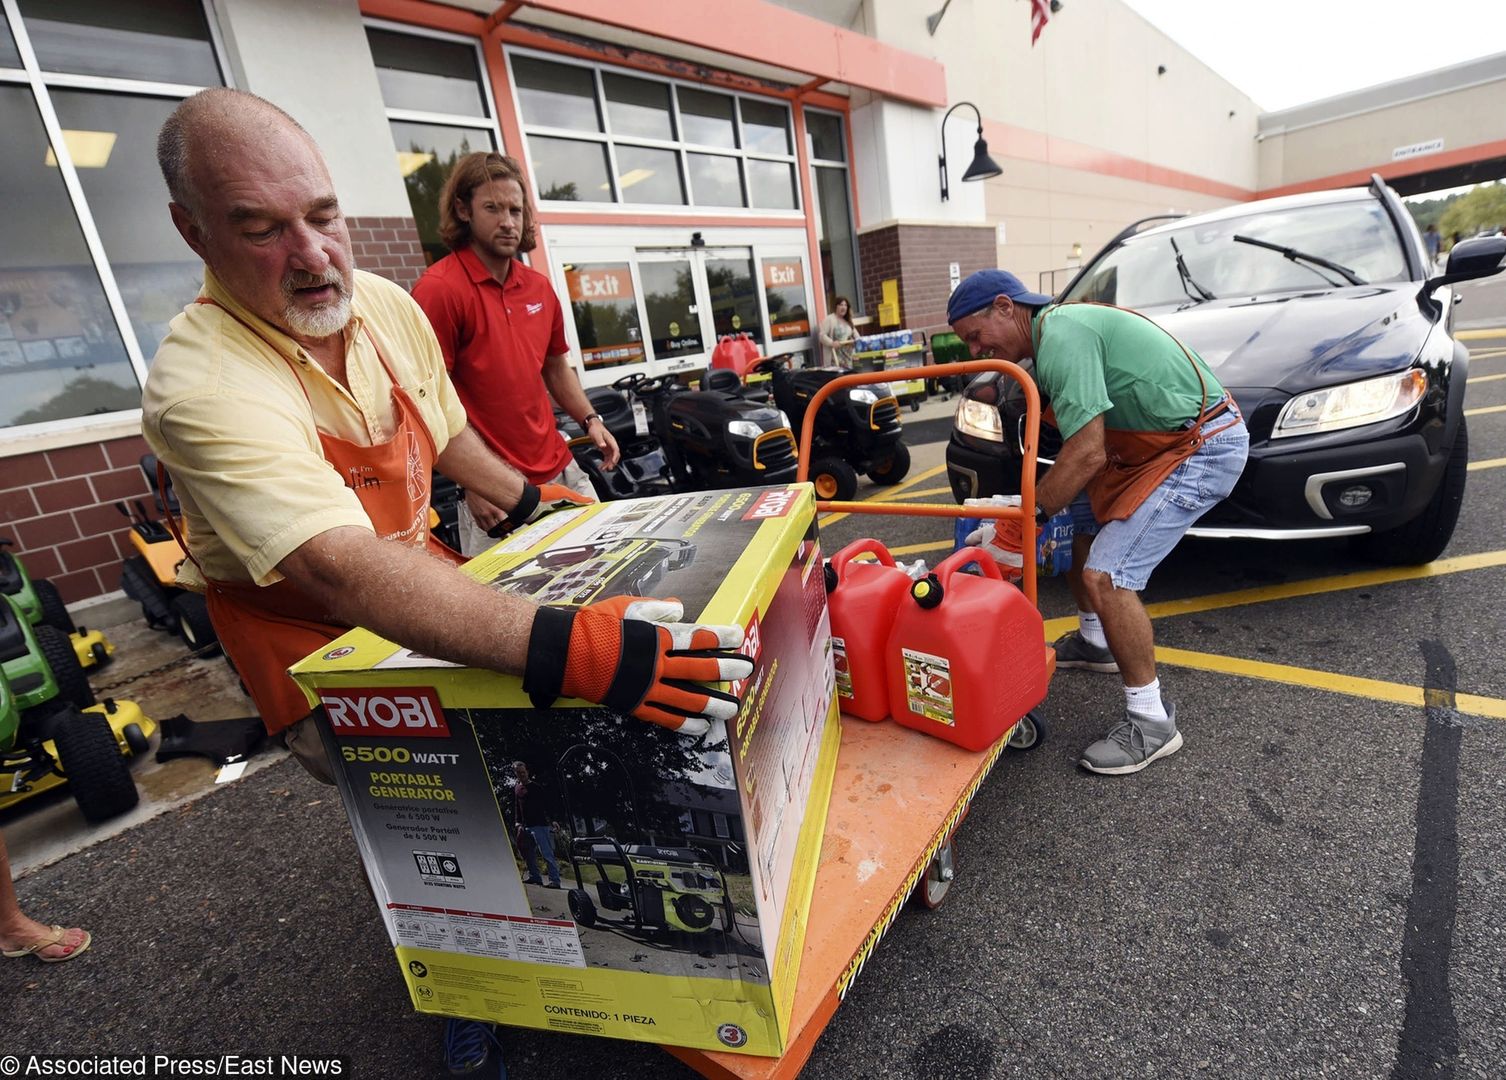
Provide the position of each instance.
(669, 295)
(714, 180)
(649, 176)
(734, 300)
(707, 118)
(165, 41)
(425, 155)
(826, 136)
(9, 57)
(569, 170)
(605, 310)
(425, 74)
(838, 267)
(638, 107)
(784, 292)
(772, 184)
(766, 127)
(556, 95)
(61, 355)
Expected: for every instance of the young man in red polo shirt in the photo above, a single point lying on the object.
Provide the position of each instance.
(502, 332)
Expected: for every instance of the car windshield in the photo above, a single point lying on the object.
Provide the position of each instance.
(1143, 272)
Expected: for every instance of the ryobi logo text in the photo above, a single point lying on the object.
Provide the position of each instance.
(387, 710)
(772, 504)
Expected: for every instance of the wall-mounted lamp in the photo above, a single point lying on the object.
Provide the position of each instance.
(1160, 69)
(983, 166)
(697, 240)
(1077, 251)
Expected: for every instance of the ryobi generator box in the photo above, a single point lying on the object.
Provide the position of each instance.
(684, 866)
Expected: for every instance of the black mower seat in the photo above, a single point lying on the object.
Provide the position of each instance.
(722, 379)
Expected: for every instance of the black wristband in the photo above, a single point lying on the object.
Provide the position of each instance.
(528, 502)
(586, 422)
(548, 648)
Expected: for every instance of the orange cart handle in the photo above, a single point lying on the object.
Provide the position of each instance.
(1025, 512)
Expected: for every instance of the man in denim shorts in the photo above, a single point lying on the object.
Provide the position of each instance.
(1107, 372)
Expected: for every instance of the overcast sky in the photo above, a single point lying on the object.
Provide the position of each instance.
(1287, 52)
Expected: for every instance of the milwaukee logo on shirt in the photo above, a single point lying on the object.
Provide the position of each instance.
(534, 309)
(388, 710)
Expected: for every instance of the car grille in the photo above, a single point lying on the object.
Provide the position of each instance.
(774, 450)
(1050, 441)
(883, 413)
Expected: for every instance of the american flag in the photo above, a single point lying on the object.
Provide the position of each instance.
(1040, 14)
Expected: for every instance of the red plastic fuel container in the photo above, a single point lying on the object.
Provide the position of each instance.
(863, 599)
(966, 656)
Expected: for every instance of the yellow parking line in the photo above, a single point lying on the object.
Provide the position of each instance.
(885, 494)
(1489, 463)
(1477, 335)
(1485, 378)
(1375, 689)
(921, 549)
(924, 491)
(1487, 409)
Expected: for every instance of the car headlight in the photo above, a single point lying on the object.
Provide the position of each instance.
(784, 419)
(979, 420)
(745, 429)
(1351, 405)
(871, 394)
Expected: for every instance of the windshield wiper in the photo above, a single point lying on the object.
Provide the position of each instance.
(1302, 256)
(1193, 290)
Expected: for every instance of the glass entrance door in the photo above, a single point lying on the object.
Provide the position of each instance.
(674, 303)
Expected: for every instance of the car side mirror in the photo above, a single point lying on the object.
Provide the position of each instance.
(1469, 259)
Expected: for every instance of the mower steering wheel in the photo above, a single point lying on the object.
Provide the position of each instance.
(645, 385)
(630, 381)
(770, 364)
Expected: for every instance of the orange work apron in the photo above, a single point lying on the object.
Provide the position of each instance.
(266, 629)
(1140, 461)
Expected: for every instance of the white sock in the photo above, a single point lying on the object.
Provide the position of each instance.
(1091, 628)
(1146, 700)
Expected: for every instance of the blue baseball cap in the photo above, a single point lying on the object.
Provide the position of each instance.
(978, 291)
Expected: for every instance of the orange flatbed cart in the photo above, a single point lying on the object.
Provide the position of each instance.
(873, 858)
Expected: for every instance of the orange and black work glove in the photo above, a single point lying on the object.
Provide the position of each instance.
(634, 656)
(536, 502)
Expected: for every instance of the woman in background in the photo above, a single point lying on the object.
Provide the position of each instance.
(838, 334)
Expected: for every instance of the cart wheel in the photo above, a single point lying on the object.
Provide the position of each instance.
(834, 479)
(1030, 732)
(939, 874)
(915, 406)
(581, 908)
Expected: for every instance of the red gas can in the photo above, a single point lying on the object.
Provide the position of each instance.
(966, 656)
(864, 597)
(736, 353)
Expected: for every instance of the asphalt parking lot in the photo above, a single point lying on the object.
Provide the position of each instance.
(1314, 886)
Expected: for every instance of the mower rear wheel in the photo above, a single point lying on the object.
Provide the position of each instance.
(893, 467)
(54, 611)
(139, 583)
(57, 649)
(136, 739)
(581, 908)
(98, 776)
(192, 614)
(835, 480)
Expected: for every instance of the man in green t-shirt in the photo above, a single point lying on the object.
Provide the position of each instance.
(1115, 381)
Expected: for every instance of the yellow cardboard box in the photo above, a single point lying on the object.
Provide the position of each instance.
(686, 864)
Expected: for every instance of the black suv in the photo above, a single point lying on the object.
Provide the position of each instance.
(1317, 313)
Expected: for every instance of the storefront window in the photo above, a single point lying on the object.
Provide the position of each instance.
(424, 80)
(605, 310)
(426, 74)
(834, 231)
(825, 131)
(556, 95)
(707, 118)
(568, 170)
(669, 295)
(766, 127)
(734, 301)
(425, 155)
(9, 57)
(61, 354)
(714, 180)
(164, 41)
(112, 139)
(659, 132)
(649, 176)
(772, 184)
(638, 107)
(784, 292)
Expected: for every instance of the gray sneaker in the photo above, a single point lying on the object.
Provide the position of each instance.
(1073, 651)
(1133, 743)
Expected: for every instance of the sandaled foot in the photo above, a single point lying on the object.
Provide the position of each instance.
(54, 946)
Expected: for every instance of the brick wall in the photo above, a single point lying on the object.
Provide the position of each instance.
(920, 257)
(58, 506)
(388, 246)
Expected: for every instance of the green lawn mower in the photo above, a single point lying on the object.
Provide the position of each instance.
(670, 889)
(51, 730)
(41, 604)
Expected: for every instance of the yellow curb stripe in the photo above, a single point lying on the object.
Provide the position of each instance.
(1477, 335)
(885, 494)
(1375, 689)
(1489, 463)
(923, 491)
(921, 549)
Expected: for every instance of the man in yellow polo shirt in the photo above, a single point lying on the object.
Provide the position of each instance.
(299, 405)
